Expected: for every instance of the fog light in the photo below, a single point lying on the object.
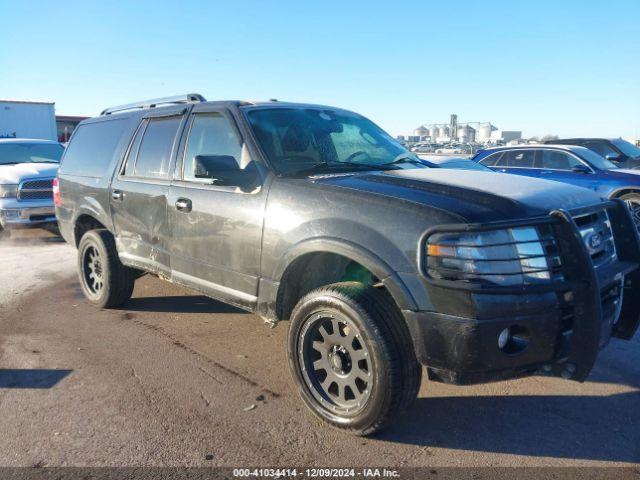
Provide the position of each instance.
(10, 214)
(503, 338)
(514, 339)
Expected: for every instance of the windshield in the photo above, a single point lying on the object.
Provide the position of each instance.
(596, 160)
(301, 139)
(15, 152)
(629, 149)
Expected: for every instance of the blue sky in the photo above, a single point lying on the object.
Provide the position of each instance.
(563, 67)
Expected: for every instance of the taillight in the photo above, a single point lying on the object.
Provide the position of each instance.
(57, 201)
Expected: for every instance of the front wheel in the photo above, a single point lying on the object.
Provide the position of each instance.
(632, 200)
(351, 356)
(105, 281)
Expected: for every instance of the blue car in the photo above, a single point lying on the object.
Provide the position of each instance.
(569, 164)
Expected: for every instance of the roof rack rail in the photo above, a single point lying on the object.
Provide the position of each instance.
(155, 102)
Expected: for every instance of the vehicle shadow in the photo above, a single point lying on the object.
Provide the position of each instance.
(31, 378)
(576, 427)
(179, 304)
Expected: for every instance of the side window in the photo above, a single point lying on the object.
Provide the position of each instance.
(135, 147)
(150, 152)
(519, 158)
(492, 160)
(92, 148)
(211, 140)
(555, 160)
(601, 148)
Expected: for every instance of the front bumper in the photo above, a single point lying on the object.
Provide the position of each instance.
(565, 324)
(14, 214)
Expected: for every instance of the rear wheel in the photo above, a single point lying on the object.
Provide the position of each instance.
(352, 357)
(632, 200)
(105, 281)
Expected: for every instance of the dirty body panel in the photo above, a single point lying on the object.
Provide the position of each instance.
(239, 240)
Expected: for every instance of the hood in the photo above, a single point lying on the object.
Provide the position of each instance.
(476, 196)
(625, 174)
(17, 173)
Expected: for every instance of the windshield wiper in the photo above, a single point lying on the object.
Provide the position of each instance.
(337, 166)
(409, 158)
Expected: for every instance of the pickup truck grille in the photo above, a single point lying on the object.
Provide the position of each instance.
(603, 252)
(597, 235)
(37, 189)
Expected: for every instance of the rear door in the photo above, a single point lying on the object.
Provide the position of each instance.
(216, 226)
(518, 162)
(139, 191)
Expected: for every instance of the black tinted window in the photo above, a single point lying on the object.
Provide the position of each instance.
(92, 148)
(155, 149)
(601, 148)
(519, 158)
(552, 159)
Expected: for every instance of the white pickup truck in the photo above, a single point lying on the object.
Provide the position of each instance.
(27, 170)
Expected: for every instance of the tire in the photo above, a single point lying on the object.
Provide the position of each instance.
(632, 200)
(105, 281)
(356, 384)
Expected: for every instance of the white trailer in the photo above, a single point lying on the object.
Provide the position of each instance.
(20, 119)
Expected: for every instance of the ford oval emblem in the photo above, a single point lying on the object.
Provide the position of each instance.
(595, 241)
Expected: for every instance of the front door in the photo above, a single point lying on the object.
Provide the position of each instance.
(139, 192)
(216, 225)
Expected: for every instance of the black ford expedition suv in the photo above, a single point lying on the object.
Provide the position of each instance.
(379, 261)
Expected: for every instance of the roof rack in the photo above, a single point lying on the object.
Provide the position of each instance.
(155, 102)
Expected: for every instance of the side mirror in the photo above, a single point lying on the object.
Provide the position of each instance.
(223, 170)
(580, 169)
(614, 157)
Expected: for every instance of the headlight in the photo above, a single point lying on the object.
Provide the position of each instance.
(8, 191)
(510, 257)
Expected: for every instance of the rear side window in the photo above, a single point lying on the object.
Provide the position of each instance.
(519, 159)
(92, 148)
(150, 152)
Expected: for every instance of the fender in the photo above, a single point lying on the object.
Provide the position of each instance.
(366, 258)
(92, 208)
(619, 190)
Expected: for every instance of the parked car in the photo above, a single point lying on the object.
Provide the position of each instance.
(315, 215)
(425, 147)
(569, 164)
(454, 149)
(616, 150)
(27, 170)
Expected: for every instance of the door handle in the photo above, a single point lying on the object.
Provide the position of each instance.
(117, 195)
(183, 204)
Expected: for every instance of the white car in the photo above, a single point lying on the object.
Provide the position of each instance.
(454, 149)
(27, 170)
(425, 148)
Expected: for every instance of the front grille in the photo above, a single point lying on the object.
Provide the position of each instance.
(595, 229)
(602, 251)
(40, 189)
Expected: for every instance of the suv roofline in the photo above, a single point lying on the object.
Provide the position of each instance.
(154, 102)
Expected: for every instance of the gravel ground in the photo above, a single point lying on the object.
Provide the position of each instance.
(174, 378)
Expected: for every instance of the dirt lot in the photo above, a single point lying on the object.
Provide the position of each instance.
(174, 378)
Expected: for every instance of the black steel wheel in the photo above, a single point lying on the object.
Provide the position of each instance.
(104, 280)
(351, 356)
(335, 362)
(92, 270)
